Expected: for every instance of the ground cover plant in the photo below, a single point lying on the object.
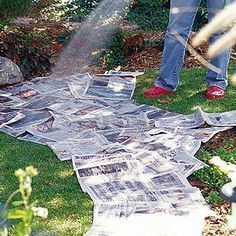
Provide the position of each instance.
(56, 187)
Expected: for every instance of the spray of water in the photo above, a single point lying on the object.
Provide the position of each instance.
(91, 37)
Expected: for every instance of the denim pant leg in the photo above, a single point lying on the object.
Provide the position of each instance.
(182, 15)
(222, 60)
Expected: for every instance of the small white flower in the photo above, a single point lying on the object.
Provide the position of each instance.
(40, 211)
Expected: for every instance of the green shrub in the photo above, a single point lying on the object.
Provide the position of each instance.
(14, 8)
(214, 197)
(152, 15)
(211, 175)
(114, 55)
(77, 10)
(149, 15)
(30, 51)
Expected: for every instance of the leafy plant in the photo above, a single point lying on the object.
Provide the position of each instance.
(214, 197)
(149, 15)
(114, 55)
(212, 175)
(79, 9)
(30, 51)
(153, 15)
(23, 210)
(14, 8)
(65, 37)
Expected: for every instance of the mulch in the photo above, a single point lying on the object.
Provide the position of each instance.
(150, 57)
(217, 141)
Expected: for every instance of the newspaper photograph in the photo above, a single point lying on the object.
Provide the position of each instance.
(112, 87)
(51, 130)
(23, 91)
(114, 168)
(183, 161)
(170, 180)
(154, 162)
(108, 93)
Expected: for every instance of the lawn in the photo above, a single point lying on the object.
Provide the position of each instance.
(56, 187)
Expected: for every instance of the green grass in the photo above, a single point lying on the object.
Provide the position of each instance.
(190, 93)
(56, 187)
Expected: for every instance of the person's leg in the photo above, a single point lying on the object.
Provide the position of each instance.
(182, 15)
(216, 79)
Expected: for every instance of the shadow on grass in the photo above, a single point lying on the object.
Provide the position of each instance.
(55, 188)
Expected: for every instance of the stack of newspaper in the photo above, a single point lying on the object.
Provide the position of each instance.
(132, 159)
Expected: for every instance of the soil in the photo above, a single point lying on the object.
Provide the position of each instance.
(150, 57)
(217, 141)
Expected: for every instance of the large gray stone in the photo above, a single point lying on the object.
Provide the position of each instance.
(9, 72)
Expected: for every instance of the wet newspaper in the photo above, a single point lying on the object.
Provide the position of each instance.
(132, 159)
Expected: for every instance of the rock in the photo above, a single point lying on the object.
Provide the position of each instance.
(9, 72)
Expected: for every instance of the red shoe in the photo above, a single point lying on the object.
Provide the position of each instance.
(156, 91)
(214, 92)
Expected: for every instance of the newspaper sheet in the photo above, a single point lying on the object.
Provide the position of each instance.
(201, 134)
(123, 73)
(111, 88)
(23, 91)
(26, 136)
(133, 160)
(170, 180)
(43, 101)
(66, 149)
(183, 161)
(11, 101)
(182, 121)
(221, 119)
(31, 117)
(7, 118)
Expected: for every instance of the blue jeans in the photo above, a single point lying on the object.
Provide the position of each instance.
(182, 15)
